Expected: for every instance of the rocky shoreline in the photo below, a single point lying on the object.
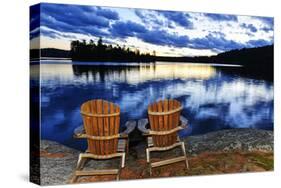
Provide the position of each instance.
(225, 151)
(248, 140)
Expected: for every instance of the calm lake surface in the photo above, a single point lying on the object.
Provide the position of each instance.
(214, 97)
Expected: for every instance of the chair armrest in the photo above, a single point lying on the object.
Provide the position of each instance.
(79, 131)
(130, 126)
(142, 123)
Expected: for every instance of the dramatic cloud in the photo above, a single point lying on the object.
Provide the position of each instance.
(268, 23)
(126, 29)
(75, 16)
(34, 33)
(149, 17)
(35, 18)
(34, 21)
(251, 27)
(179, 18)
(158, 37)
(267, 29)
(219, 43)
(74, 19)
(166, 31)
(215, 42)
(221, 17)
(257, 43)
(140, 14)
(55, 35)
(111, 15)
(161, 37)
(267, 20)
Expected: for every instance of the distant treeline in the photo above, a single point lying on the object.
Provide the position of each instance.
(49, 52)
(259, 56)
(81, 50)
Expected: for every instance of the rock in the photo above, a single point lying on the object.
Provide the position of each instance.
(230, 140)
(58, 169)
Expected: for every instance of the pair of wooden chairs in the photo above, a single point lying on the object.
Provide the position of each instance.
(101, 122)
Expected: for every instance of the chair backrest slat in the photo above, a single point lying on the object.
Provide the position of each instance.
(116, 125)
(167, 117)
(112, 127)
(101, 118)
(100, 127)
(166, 122)
(106, 127)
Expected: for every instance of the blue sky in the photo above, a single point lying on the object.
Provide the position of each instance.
(169, 33)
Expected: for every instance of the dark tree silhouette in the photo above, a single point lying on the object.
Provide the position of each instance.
(81, 50)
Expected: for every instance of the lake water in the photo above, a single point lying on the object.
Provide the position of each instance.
(214, 97)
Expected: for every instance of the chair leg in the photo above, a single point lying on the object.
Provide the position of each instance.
(184, 153)
(80, 165)
(118, 175)
(123, 160)
(122, 165)
(73, 179)
(147, 156)
(127, 146)
(148, 161)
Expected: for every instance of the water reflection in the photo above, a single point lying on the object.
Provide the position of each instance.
(212, 99)
(144, 72)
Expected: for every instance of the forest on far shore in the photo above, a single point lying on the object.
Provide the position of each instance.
(81, 50)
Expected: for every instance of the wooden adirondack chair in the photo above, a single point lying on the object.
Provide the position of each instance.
(165, 122)
(101, 122)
